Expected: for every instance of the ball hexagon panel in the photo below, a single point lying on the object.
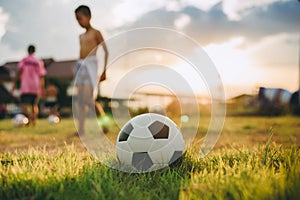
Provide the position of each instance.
(142, 133)
(158, 144)
(125, 157)
(178, 143)
(139, 144)
(124, 146)
(163, 155)
(141, 121)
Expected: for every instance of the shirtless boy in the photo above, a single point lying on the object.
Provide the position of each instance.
(87, 67)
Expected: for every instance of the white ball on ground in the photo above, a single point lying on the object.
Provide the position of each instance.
(149, 142)
(53, 119)
(20, 120)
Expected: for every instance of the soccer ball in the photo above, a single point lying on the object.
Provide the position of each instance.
(20, 120)
(53, 119)
(149, 142)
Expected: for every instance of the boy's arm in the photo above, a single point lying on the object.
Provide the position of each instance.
(15, 81)
(103, 75)
(106, 53)
(102, 42)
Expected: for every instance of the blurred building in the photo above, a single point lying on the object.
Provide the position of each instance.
(61, 74)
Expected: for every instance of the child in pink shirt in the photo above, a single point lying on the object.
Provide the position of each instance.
(31, 72)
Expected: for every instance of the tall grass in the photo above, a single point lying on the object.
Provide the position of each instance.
(265, 172)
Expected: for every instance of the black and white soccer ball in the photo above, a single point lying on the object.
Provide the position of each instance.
(20, 120)
(149, 142)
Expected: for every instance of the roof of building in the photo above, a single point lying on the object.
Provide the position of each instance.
(242, 96)
(60, 69)
(6, 96)
(4, 74)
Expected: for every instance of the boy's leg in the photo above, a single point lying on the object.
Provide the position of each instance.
(34, 99)
(99, 108)
(102, 113)
(25, 103)
(35, 111)
(80, 110)
(85, 99)
(24, 108)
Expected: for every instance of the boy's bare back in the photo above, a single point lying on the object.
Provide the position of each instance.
(89, 42)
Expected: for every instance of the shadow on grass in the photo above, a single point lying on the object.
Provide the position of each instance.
(95, 182)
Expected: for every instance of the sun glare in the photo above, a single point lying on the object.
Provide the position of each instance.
(233, 63)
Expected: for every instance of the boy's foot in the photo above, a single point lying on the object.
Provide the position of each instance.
(33, 122)
(105, 129)
(74, 135)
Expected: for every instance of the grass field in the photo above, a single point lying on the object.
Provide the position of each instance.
(255, 158)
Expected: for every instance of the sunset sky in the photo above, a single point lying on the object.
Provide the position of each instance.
(251, 42)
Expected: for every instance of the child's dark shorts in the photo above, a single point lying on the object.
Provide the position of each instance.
(29, 99)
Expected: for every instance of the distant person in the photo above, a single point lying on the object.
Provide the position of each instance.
(87, 67)
(30, 72)
(51, 102)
